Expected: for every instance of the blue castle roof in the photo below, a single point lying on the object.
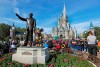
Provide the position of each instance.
(91, 25)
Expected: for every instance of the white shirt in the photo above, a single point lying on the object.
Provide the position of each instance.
(12, 46)
(22, 42)
(91, 39)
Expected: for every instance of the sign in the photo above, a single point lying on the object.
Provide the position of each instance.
(26, 53)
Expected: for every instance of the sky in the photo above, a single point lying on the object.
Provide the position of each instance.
(46, 12)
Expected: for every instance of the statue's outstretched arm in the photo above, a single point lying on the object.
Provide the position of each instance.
(21, 17)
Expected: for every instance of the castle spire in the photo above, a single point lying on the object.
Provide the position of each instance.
(91, 27)
(13, 25)
(64, 11)
(91, 24)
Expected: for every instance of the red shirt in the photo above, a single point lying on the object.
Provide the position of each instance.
(66, 43)
(53, 41)
(58, 46)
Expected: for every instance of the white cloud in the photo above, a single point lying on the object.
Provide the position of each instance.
(10, 21)
(14, 2)
(48, 22)
(13, 20)
(24, 14)
(16, 10)
(46, 29)
(82, 26)
(5, 1)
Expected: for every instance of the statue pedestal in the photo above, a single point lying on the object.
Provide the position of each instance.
(31, 55)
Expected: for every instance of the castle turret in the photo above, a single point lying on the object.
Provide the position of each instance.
(75, 33)
(12, 32)
(59, 23)
(91, 27)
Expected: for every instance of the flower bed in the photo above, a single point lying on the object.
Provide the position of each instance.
(56, 60)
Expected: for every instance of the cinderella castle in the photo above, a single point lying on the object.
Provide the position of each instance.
(63, 28)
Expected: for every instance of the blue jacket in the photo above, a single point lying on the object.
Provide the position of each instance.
(45, 45)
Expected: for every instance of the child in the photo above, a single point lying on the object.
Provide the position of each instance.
(12, 47)
(45, 45)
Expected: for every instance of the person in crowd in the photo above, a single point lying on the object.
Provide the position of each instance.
(66, 43)
(50, 44)
(82, 44)
(0, 48)
(12, 48)
(45, 45)
(5, 47)
(86, 45)
(53, 42)
(57, 47)
(72, 47)
(99, 46)
(63, 46)
(91, 39)
(21, 42)
(29, 44)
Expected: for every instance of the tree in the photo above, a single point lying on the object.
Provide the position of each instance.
(20, 29)
(97, 32)
(4, 31)
(85, 34)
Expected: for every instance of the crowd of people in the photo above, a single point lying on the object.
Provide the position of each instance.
(60, 45)
(89, 45)
(7, 47)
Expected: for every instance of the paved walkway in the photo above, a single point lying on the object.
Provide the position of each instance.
(98, 55)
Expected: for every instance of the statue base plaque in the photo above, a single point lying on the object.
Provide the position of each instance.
(31, 55)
